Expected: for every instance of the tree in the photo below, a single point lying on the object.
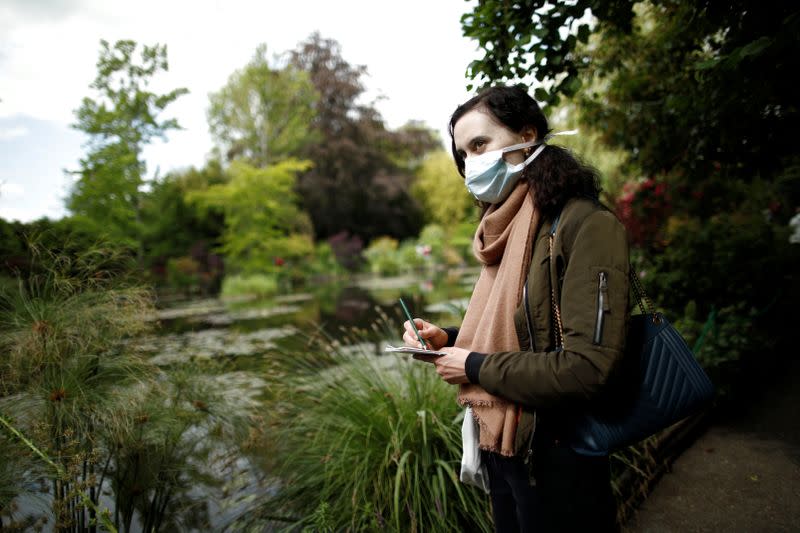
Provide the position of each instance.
(360, 180)
(262, 114)
(539, 38)
(120, 121)
(263, 222)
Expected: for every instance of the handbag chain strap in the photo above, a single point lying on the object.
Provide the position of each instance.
(556, 307)
(642, 299)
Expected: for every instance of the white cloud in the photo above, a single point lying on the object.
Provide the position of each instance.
(11, 190)
(13, 133)
(29, 214)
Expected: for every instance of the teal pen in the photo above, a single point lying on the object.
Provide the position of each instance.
(408, 315)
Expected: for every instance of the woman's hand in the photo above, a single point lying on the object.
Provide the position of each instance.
(433, 335)
(452, 367)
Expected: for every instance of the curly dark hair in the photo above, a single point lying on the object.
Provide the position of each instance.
(556, 175)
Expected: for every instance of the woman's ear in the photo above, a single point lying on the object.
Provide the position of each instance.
(529, 134)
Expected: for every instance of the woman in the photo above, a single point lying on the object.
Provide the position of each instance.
(519, 373)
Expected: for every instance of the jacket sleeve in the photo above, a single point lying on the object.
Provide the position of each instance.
(594, 312)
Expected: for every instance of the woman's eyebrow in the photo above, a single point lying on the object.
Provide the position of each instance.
(461, 150)
(477, 138)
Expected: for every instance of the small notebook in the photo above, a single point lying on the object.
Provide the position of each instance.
(412, 350)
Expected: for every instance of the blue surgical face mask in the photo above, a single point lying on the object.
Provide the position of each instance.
(490, 178)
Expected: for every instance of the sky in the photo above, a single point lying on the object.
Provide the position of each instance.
(415, 54)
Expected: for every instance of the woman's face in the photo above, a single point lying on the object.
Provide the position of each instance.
(478, 131)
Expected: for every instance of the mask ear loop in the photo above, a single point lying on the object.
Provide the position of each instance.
(538, 151)
(542, 146)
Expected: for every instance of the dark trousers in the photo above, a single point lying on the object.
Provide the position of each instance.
(572, 492)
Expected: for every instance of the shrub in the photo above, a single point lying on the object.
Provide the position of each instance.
(324, 262)
(183, 273)
(434, 237)
(260, 285)
(382, 257)
(412, 255)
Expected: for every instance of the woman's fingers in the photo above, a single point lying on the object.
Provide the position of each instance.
(410, 340)
(410, 336)
(433, 335)
(426, 329)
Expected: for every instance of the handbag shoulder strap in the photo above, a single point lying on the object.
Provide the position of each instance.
(642, 300)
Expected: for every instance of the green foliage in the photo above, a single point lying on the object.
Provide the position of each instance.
(462, 239)
(434, 248)
(75, 236)
(440, 189)
(374, 443)
(262, 220)
(173, 227)
(15, 457)
(410, 256)
(612, 163)
(263, 114)
(409, 145)
(722, 340)
(253, 284)
(382, 257)
(529, 38)
(739, 244)
(120, 121)
(324, 262)
(183, 273)
(722, 117)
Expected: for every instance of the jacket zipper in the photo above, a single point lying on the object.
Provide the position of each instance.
(529, 450)
(602, 307)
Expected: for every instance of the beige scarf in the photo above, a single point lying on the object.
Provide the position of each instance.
(502, 244)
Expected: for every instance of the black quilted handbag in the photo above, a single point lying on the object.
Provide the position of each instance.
(659, 382)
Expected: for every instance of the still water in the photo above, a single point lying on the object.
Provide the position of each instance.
(233, 341)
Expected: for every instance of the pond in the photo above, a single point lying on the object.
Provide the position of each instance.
(233, 341)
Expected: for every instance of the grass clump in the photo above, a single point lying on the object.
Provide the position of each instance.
(370, 443)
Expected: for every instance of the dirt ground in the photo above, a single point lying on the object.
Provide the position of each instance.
(743, 474)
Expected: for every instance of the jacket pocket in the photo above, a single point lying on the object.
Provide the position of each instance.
(603, 306)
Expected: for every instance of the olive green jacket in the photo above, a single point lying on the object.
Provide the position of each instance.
(591, 262)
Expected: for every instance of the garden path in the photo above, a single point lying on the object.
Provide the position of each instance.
(743, 474)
